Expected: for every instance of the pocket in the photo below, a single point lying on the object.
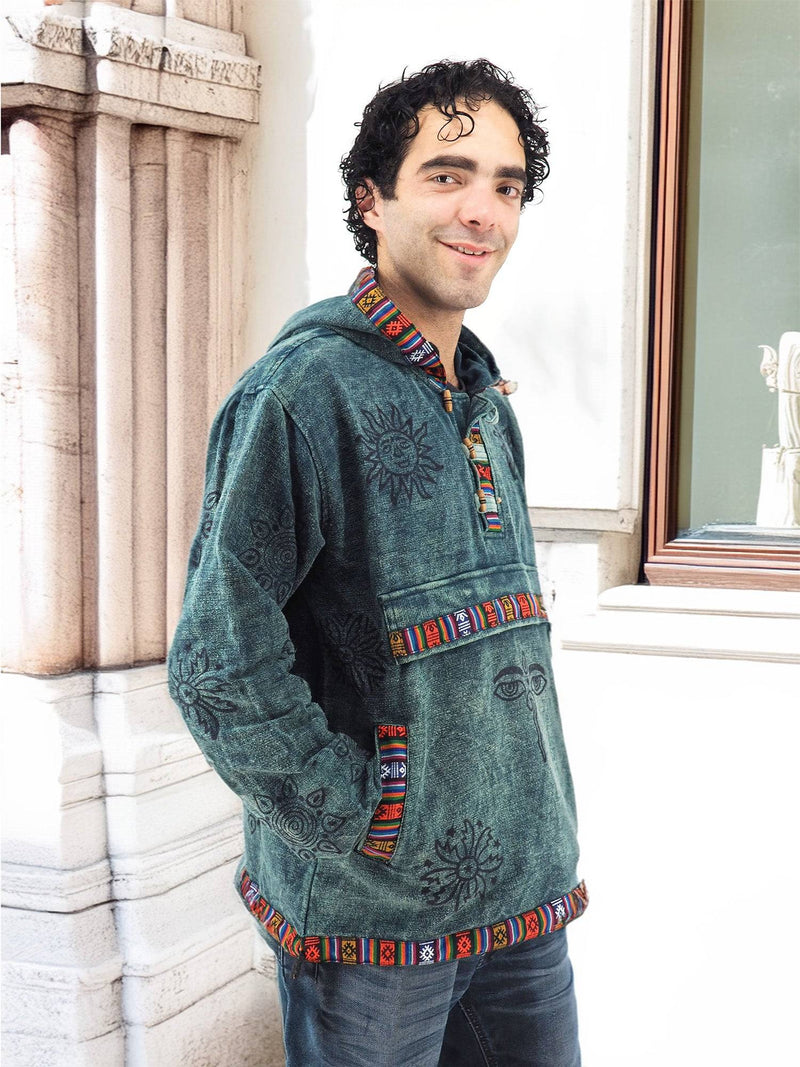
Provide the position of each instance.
(430, 617)
(391, 744)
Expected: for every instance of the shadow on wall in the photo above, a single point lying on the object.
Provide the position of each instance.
(275, 154)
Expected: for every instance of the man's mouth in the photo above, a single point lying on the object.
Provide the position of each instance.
(469, 250)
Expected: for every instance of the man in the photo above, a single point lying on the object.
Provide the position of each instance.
(363, 654)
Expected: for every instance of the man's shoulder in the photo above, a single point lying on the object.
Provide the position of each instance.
(315, 348)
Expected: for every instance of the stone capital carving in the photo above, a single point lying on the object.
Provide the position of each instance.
(103, 37)
(50, 30)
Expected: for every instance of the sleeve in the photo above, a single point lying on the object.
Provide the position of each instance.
(512, 438)
(229, 664)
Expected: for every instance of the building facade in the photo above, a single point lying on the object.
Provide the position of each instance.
(171, 172)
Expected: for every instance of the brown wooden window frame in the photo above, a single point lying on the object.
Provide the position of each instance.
(668, 560)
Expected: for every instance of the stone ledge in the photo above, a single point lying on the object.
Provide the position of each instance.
(743, 603)
(35, 1050)
(150, 873)
(144, 68)
(583, 520)
(166, 986)
(52, 1002)
(140, 40)
(64, 942)
(53, 890)
(691, 623)
(237, 1024)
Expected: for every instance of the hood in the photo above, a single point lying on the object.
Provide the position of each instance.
(475, 365)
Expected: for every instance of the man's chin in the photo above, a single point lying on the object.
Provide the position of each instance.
(472, 298)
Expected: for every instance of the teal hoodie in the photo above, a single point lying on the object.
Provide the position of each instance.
(364, 657)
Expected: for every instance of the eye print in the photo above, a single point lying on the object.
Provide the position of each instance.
(513, 682)
(507, 686)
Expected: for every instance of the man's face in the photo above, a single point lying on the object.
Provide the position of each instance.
(455, 213)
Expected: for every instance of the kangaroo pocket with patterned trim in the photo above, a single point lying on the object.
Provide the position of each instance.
(477, 820)
(429, 617)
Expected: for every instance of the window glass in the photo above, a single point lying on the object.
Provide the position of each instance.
(739, 441)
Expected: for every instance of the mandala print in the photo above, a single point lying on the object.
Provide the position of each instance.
(198, 690)
(358, 649)
(347, 749)
(210, 502)
(302, 821)
(398, 458)
(272, 555)
(466, 865)
(513, 682)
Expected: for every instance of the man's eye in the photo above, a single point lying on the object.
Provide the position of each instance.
(443, 179)
(509, 689)
(511, 191)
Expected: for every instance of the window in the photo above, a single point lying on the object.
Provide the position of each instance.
(724, 470)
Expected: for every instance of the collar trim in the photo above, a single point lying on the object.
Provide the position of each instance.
(387, 317)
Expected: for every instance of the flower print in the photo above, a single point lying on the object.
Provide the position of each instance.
(396, 454)
(198, 690)
(513, 682)
(210, 502)
(466, 865)
(357, 645)
(302, 821)
(271, 556)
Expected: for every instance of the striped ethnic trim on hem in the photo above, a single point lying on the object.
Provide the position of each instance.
(384, 953)
(465, 622)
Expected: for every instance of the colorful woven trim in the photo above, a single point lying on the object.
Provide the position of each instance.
(272, 921)
(384, 830)
(483, 469)
(382, 312)
(475, 942)
(465, 622)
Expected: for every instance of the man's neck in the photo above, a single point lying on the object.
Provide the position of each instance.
(442, 329)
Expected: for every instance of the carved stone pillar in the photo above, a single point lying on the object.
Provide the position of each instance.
(43, 628)
(148, 321)
(125, 944)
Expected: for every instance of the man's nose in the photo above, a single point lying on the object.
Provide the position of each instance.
(477, 208)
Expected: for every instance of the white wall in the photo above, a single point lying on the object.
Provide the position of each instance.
(685, 762)
(561, 310)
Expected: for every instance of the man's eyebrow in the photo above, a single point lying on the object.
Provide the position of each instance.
(458, 162)
(517, 173)
(468, 164)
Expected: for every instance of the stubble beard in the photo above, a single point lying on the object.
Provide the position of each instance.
(447, 293)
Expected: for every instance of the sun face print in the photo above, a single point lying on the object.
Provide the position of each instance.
(396, 454)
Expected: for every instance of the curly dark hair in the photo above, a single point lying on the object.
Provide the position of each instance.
(391, 122)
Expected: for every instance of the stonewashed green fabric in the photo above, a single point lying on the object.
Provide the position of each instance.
(342, 579)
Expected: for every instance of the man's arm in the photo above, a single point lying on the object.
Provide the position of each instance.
(229, 665)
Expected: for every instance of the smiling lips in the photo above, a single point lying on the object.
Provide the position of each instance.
(468, 250)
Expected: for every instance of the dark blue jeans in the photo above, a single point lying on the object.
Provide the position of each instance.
(509, 1008)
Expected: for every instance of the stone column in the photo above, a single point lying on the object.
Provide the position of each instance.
(107, 141)
(42, 633)
(125, 944)
(188, 345)
(149, 299)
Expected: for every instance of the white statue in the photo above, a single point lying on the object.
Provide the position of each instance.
(779, 499)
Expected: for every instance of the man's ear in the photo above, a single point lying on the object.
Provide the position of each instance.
(368, 200)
